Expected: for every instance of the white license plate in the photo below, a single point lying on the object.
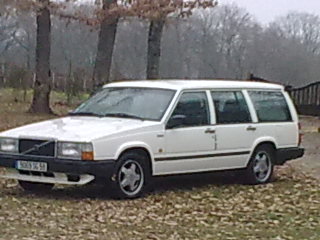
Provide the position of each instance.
(32, 166)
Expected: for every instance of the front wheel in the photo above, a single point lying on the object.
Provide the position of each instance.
(260, 168)
(131, 176)
(35, 186)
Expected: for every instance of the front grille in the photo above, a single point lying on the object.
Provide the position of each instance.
(33, 147)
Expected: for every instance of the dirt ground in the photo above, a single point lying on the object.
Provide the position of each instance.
(311, 142)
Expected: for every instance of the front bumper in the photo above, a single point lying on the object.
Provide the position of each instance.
(98, 169)
(286, 154)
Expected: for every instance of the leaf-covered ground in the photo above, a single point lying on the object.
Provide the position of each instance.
(288, 208)
(207, 206)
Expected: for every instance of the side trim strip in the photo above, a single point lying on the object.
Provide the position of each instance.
(201, 156)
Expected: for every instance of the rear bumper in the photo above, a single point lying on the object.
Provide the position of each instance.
(98, 169)
(286, 154)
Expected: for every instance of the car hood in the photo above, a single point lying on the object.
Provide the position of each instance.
(76, 128)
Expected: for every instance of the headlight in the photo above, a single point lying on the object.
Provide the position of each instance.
(81, 151)
(9, 145)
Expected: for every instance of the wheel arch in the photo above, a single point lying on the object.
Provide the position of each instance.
(262, 141)
(265, 140)
(137, 146)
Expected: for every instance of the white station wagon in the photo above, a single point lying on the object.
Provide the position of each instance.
(129, 132)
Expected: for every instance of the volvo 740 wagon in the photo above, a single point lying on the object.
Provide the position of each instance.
(129, 132)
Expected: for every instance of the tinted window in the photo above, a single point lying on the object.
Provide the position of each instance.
(230, 107)
(193, 106)
(270, 106)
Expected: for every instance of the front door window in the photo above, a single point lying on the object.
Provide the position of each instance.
(192, 110)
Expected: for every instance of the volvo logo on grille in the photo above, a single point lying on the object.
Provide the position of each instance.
(37, 147)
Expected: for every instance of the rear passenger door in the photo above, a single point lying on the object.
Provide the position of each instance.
(234, 129)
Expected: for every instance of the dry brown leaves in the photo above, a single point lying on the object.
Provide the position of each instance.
(285, 209)
(160, 9)
(146, 9)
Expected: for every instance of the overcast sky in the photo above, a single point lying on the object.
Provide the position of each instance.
(266, 10)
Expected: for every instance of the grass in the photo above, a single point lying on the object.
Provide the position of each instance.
(13, 108)
(209, 206)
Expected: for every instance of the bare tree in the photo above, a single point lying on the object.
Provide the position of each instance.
(24, 37)
(158, 11)
(154, 48)
(130, 49)
(166, 8)
(221, 42)
(301, 27)
(42, 87)
(106, 40)
(7, 31)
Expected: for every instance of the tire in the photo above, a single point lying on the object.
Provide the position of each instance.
(132, 175)
(260, 167)
(36, 187)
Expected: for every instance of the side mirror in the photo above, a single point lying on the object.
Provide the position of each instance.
(176, 121)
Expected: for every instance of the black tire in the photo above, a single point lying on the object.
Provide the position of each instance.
(260, 167)
(36, 187)
(132, 175)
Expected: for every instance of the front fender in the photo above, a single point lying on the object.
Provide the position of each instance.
(135, 144)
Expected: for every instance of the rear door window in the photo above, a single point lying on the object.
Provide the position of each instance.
(270, 106)
(231, 107)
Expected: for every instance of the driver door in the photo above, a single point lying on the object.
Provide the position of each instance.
(189, 136)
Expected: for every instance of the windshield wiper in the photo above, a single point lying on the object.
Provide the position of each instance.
(120, 115)
(123, 115)
(84, 114)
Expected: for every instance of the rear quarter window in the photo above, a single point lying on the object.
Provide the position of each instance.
(270, 106)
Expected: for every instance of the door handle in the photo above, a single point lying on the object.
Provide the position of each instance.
(210, 131)
(250, 128)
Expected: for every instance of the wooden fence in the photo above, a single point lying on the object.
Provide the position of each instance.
(307, 99)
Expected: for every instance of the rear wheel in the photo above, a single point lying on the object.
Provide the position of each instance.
(260, 168)
(35, 186)
(132, 175)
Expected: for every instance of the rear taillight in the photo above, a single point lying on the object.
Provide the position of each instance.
(300, 134)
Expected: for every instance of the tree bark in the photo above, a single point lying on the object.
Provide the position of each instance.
(42, 86)
(154, 49)
(106, 41)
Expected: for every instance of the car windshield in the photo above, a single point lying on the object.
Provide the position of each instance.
(136, 103)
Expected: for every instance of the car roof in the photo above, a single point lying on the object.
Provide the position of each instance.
(195, 84)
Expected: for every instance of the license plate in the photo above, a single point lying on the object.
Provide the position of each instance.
(32, 166)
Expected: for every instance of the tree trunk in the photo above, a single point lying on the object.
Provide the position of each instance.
(154, 49)
(42, 87)
(107, 35)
